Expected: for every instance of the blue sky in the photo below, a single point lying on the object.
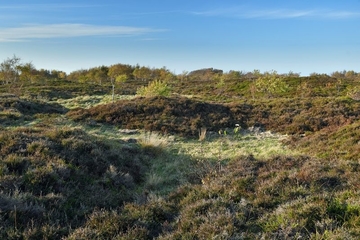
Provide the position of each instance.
(302, 36)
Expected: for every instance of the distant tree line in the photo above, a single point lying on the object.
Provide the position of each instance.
(103, 74)
(14, 72)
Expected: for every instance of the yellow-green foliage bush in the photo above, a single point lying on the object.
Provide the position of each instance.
(154, 88)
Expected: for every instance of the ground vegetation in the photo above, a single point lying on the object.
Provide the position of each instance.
(220, 155)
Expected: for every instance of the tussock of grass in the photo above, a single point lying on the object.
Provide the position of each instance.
(91, 101)
(227, 147)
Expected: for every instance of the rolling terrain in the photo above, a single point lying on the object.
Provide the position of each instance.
(220, 157)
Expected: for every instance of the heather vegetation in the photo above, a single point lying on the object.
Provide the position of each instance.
(132, 152)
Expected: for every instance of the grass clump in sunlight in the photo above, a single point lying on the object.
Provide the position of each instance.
(232, 145)
(90, 101)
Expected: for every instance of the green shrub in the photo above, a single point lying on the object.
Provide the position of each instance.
(354, 93)
(154, 88)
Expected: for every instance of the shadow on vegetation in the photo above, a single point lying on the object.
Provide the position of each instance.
(186, 117)
(13, 109)
(52, 179)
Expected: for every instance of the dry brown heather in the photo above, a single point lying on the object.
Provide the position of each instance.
(58, 181)
(51, 179)
(186, 116)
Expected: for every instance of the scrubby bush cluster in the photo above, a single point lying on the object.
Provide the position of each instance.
(155, 88)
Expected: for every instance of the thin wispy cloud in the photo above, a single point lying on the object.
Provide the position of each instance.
(29, 32)
(149, 39)
(279, 13)
(341, 14)
(48, 6)
(152, 13)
